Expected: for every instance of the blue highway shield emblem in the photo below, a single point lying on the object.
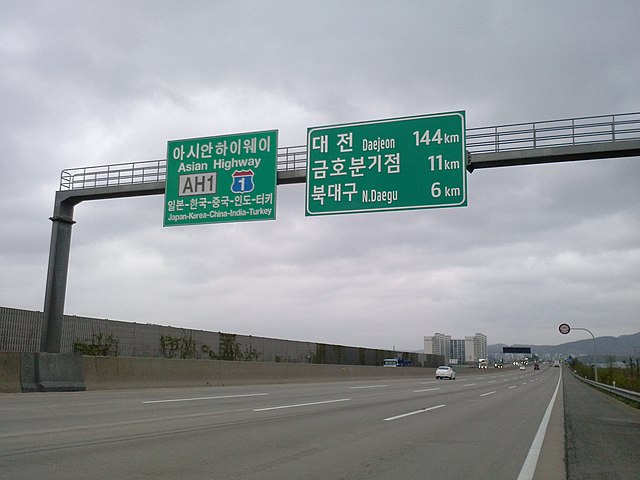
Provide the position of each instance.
(242, 181)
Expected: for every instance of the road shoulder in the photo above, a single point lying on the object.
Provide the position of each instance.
(551, 463)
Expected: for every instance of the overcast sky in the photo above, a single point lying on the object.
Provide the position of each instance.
(101, 82)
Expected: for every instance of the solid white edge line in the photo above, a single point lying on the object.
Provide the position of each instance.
(530, 463)
(412, 413)
(300, 405)
(205, 398)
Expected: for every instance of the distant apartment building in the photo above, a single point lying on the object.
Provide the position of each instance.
(469, 350)
(470, 356)
(475, 347)
(457, 349)
(480, 346)
(438, 344)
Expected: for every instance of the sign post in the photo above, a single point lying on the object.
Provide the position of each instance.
(228, 178)
(395, 164)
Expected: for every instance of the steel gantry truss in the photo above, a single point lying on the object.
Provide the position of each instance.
(573, 139)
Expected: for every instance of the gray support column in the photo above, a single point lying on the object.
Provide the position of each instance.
(51, 335)
(59, 250)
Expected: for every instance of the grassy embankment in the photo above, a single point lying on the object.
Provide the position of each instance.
(627, 378)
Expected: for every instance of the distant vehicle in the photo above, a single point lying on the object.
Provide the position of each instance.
(396, 362)
(482, 363)
(498, 364)
(522, 367)
(390, 362)
(445, 372)
(536, 366)
(556, 363)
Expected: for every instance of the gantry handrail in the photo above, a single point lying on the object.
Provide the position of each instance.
(500, 138)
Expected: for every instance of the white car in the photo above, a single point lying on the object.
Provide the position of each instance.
(445, 372)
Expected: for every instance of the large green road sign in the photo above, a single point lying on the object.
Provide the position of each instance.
(228, 178)
(395, 164)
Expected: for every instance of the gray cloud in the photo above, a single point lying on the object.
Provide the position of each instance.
(96, 83)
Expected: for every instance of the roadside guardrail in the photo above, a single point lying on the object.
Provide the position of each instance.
(621, 392)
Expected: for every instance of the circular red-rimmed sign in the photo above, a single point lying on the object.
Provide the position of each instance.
(564, 328)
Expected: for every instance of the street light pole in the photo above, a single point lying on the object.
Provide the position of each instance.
(595, 351)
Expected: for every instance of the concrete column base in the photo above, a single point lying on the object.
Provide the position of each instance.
(51, 372)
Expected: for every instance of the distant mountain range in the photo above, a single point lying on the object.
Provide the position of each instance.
(621, 347)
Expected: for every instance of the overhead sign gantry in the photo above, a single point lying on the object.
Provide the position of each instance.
(585, 138)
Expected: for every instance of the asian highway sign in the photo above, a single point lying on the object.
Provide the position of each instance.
(394, 164)
(228, 178)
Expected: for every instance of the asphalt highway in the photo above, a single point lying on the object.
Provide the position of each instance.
(482, 425)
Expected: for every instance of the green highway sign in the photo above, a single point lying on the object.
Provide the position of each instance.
(229, 178)
(394, 164)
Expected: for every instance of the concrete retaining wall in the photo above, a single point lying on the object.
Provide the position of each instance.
(109, 373)
(113, 373)
(10, 372)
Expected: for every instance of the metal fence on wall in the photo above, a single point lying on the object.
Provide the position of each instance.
(20, 332)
